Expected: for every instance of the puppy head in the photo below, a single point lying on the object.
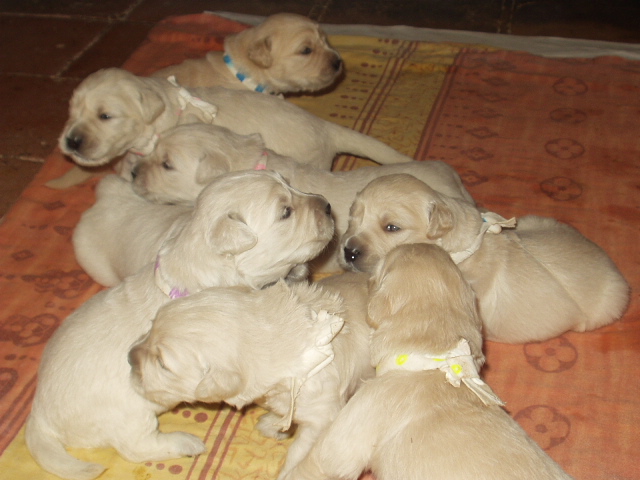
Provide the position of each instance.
(107, 114)
(227, 344)
(261, 225)
(419, 298)
(185, 358)
(390, 211)
(288, 52)
(188, 157)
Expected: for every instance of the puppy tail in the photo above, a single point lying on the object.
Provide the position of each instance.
(352, 142)
(52, 456)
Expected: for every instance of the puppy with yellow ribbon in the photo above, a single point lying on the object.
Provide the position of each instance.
(427, 414)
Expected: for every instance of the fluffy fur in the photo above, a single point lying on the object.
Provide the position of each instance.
(122, 232)
(532, 283)
(239, 346)
(414, 425)
(285, 53)
(188, 157)
(85, 397)
(113, 112)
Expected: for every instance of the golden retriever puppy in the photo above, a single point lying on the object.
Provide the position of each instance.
(85, 397)
(427, 414)
(285, 53)
(113, 112)
(269, 346)
(123, 232)
(533, 282)
(188, 157)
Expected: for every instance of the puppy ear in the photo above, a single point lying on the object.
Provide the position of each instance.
(137, 356)
(255, 140)
(151, 104)
(260, 52)
(231, 235)
(439, 218)
(383, 304)
(218, 386)
(209, 168)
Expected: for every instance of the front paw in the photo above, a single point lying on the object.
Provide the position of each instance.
(184, 444)
(268, 426)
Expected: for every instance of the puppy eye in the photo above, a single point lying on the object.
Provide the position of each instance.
(286, 213)
(104, 116)
(392, 228)
(161, 363)
(307, 51)
(166, 165)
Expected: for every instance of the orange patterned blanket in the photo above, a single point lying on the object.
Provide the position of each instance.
(554, 137)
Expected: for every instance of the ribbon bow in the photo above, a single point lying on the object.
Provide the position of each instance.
(185, 98)
(491, 222)
(457, 365)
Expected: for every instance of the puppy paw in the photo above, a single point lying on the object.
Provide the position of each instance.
(267, 426)
(298, 273)
(181, 444)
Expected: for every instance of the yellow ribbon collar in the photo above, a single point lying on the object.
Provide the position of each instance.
(457, 364)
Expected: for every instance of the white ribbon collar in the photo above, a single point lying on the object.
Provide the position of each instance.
(491, 222)
(185, 98)
(326, 326)
(457, 364)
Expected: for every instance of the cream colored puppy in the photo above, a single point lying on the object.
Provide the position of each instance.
(122, 232)
(427, 414)
(113, 112)
(533, 282)
(85, 397)
(188, 157)
(285, 53)
(269, 346)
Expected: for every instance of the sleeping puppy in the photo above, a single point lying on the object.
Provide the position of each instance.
(427, 414)
(533, 282)
(122, 232)
(113, 112)
(188, 157)
(285, 53)
(85, 397)
(269, 346)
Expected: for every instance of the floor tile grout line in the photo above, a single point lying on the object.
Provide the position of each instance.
(321, 6)
(22, 158)
(506, 16)
(128, 11)
(82, 51)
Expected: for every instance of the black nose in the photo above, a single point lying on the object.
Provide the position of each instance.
(351, 254)
(328, 209)
(337, 64)
(134, 172)
(74, 142)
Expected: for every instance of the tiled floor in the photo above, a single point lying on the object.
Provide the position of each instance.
(47, 47)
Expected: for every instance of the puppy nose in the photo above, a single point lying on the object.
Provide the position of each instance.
(337, 64)
(134, 172)
(351, 254)
(74, 142)
(328, 209)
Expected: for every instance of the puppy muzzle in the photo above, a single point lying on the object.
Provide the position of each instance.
(73, 143)
(351, 254)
